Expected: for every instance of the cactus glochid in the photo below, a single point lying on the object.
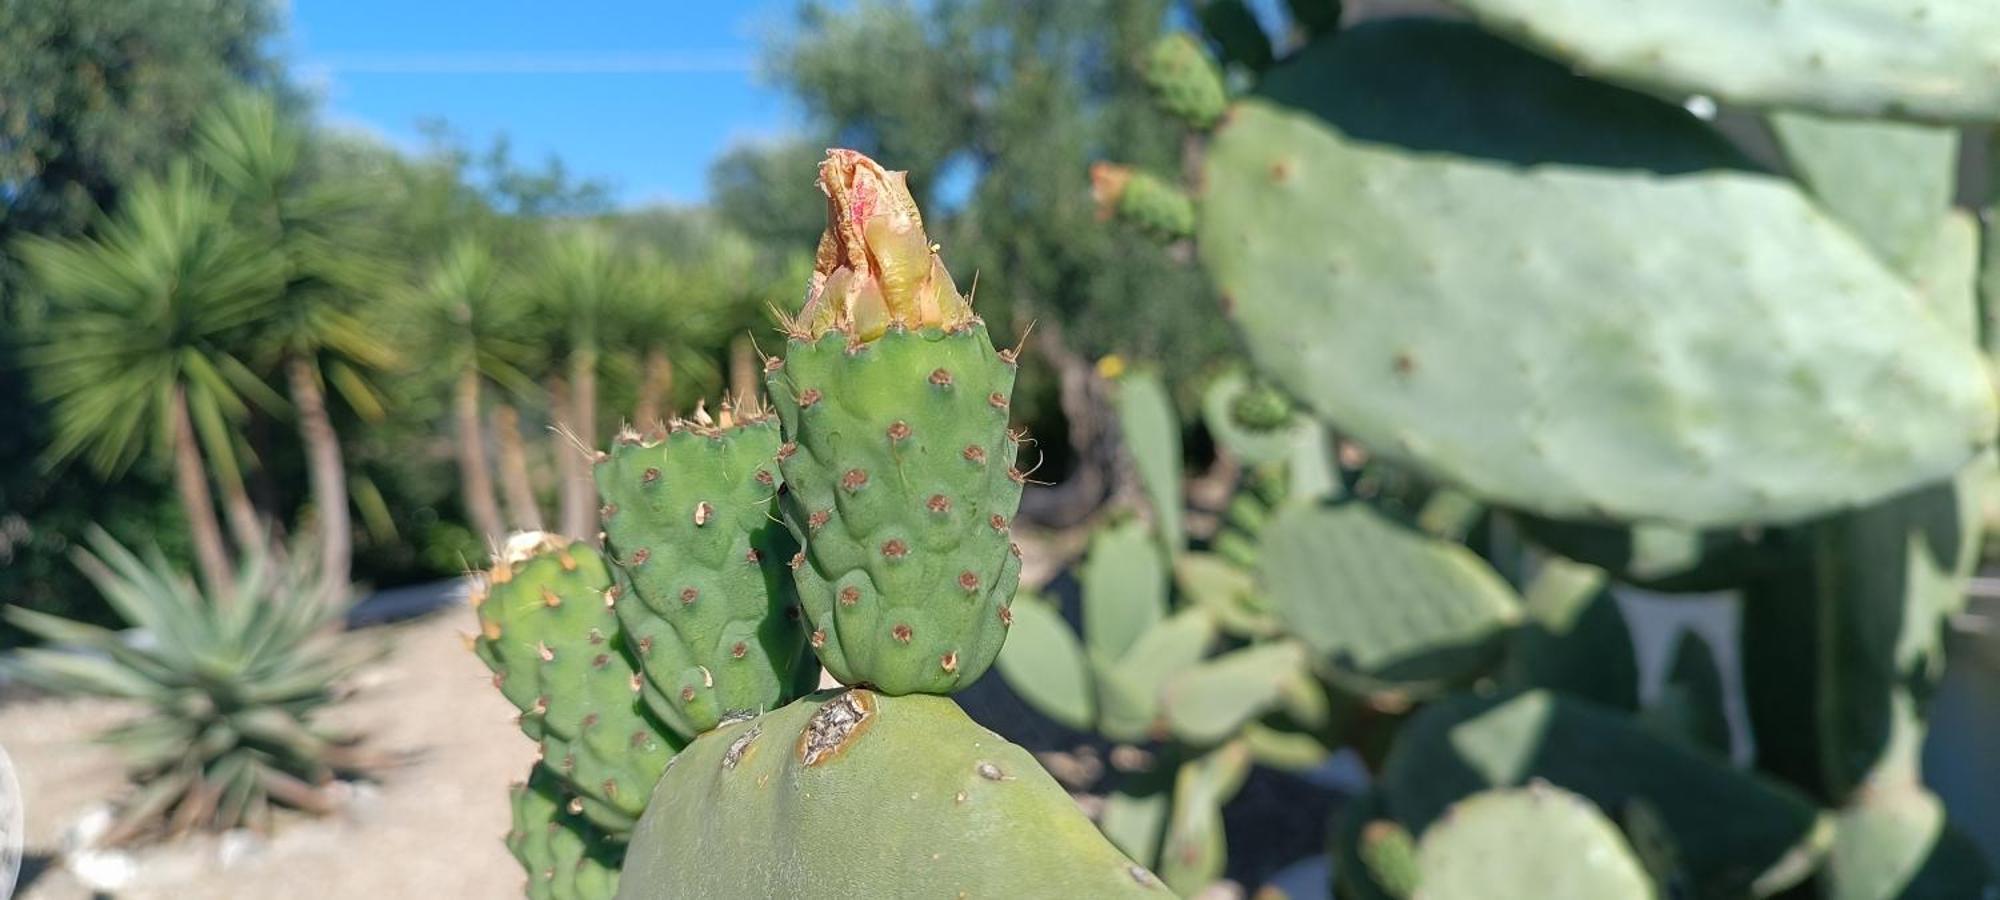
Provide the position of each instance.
(898, 464)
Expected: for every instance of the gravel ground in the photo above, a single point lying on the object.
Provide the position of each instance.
(430, 828)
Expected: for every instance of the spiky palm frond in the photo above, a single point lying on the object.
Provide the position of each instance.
(231, 685)
(162, 295)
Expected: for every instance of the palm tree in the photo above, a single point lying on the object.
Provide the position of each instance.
(461, 318)
(146, 333)
(315, 333)
(582, 278)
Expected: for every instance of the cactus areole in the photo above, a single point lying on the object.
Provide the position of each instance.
(897, 462)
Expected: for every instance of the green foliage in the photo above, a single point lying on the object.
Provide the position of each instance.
(157, 302)
(230, 687)
(814, 799)
(1020, 98)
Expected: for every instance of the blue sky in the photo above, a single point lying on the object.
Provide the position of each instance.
(640, 93)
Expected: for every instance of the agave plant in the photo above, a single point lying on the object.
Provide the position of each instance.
(231, 684)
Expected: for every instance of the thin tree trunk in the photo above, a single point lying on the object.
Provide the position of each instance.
(515, 487)
(569, 463)
(210, 555)
(1087, 411)
(654, 389)
(475, 479)
(245, 525)
(579, 501)
(745, 375)
(327, 472)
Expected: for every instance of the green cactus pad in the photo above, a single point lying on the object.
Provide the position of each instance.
(548, 633)
(1228, 591)
(1130, 688)
(713, 616)
(1223, 408)
(1383, 605)
(1210, 701)
(1738, 835)
(1538, 841)
(1843, 641)
(1374, 857)
(1574, 637)
(1236, 33)
(1568, 298)
(900, 481)
(1043, 662)
(1193, 851)
(1653, 556)
(1124, 579)
(859, 794)
(1896, 843)
(566, 858)
(1152, 435)
(1889, 182)
(1864, 58)
(1185, 81)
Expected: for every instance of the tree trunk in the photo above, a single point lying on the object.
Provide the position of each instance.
(570, 472)
(327, 472)
(655, 390)
(1087, 410)
(245, 525)
(515, 486)
(745, 375)
(579, 502)
(475, 479)
(211, 557)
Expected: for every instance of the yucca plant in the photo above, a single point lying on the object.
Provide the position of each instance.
(231, 684)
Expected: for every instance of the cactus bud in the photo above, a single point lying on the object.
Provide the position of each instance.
(876, 268)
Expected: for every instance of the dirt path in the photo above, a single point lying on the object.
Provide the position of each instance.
(431, 828)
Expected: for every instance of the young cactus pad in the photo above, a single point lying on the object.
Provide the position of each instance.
(547, 631)
(713, 618)
(859, 794)
(566, 858)
(1535, 841)
(897, 461)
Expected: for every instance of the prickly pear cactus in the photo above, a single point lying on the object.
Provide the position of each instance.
(860, 794)
(1536, 841)
(547, 630)
(1498, 366)
(1898, 58)
(690, 518)
(1186, 80)
(898, 464)
(566, 857)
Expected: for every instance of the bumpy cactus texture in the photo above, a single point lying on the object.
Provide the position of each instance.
(713, 617)
(1185, 81)
(859, 794)
(566, 858)
(1498, 365)
(1871, 58)
(1537, 841)
(897, 459)
(1384, 605)
(548, 632)
(1738, 835)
